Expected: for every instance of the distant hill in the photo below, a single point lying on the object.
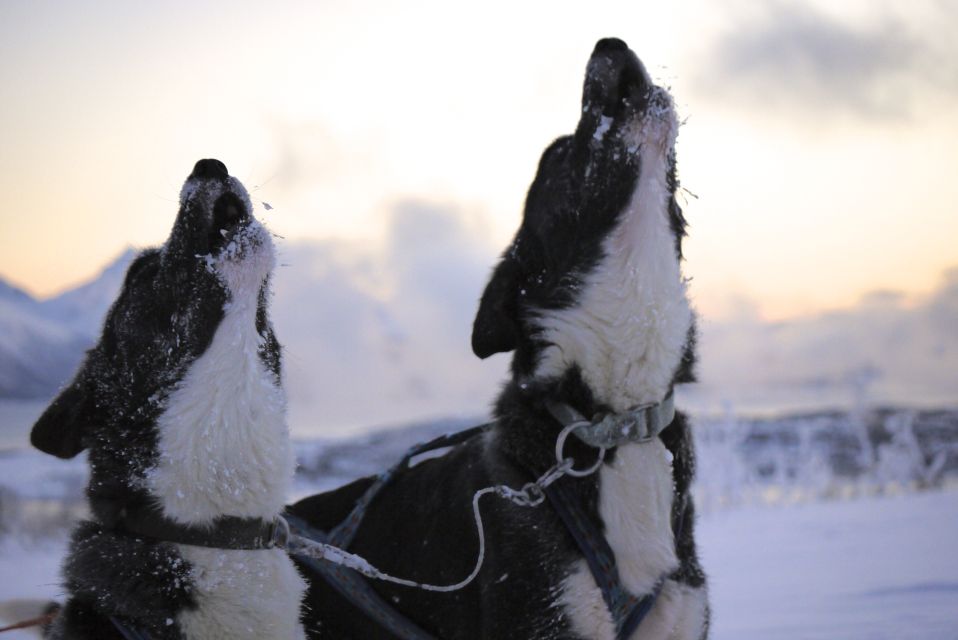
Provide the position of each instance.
(43, 341)
(379, 335)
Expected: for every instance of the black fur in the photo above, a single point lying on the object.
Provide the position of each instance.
(421, 526)
(164, 318)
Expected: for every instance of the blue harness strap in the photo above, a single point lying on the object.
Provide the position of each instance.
(129, 633)
(342, 536)
(350, 584)
(627, 610)
(355, 589)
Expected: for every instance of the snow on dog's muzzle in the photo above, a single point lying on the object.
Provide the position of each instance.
(229, 215)
(615, 80)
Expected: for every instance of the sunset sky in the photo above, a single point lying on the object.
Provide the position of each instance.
(821, 144)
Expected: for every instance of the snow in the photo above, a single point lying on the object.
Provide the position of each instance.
(873, 568)
(605, 122)
(82, 308)
(870, 569)
(810, 526)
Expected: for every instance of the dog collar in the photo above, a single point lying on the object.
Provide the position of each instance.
(226, 532)
(638, 424)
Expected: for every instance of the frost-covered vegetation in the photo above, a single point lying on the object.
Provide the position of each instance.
(742, 462)
(822, 456)
(798, 516)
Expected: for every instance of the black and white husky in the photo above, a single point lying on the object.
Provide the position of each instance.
(591, 298)
(181, 407)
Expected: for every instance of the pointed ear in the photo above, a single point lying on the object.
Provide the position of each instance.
(61, 429)
(496, 327)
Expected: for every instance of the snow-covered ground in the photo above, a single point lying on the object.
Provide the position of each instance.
(870, 569)
(830, 525)
(875, 568)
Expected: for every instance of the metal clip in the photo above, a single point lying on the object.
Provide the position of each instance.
(279, 534)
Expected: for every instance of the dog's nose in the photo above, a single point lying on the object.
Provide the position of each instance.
(207, 169)
(609, 45)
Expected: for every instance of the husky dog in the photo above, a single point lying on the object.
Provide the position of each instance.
(181, 407)
(591, 299)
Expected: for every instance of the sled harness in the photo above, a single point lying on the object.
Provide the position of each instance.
(324, 552)
(640, 424)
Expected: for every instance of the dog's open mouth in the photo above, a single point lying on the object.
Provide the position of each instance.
(619, 93)
(222, 213)
(616, 82)
(229, 219)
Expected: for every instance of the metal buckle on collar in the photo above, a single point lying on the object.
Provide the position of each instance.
(278, 534)
(641, 423)
(637, 424)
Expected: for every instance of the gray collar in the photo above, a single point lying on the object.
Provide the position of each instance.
(638, 424)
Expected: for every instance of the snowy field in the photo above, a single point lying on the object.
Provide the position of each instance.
(876, 568)
(817, 526)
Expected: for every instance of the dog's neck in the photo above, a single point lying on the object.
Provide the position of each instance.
(224, 445)
(628, 331)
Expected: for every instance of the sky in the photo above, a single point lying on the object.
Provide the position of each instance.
(818, 150)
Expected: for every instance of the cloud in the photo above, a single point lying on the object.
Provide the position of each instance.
(795, 57)
(380, 334)
(883, 350)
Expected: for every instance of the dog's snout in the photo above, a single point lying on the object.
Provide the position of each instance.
(615, 75)
(210, 169)
(609, 45)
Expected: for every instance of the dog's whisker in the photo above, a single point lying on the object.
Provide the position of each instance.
(265, 182)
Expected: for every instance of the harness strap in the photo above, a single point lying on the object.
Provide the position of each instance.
(226, 532)
(342, 535)
(39, 621)
(129, 633)
(355, 588)
(627, 610)
(350, 584)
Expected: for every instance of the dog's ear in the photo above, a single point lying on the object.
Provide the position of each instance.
(62, 428)
(496, 327)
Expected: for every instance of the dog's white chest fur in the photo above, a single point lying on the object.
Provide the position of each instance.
(224, 445)
(243, 594)
(224, 449)
(635, 501)
(627, 334)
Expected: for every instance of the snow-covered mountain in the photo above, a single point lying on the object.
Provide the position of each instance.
(379, 335)
(81, 309)
(43, 341)
(10, 293)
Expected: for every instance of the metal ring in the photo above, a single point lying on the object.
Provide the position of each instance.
(280, 537)
(560, 445)
(533, 494)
